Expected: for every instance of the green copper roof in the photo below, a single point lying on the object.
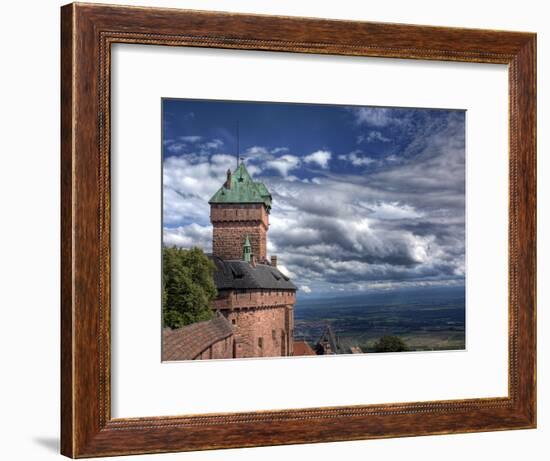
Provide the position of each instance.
(242, 189)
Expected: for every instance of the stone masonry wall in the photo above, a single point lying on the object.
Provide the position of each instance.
(220, 350)
(229, 239)
(232, 223)
(262, 332)
(265, 314)
(255, 298)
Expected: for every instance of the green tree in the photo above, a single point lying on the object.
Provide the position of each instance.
(188, 286)
(390, 344)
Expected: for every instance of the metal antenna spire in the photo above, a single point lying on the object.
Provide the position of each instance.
(238, 146)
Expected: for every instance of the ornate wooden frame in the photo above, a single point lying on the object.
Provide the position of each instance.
(88, 31)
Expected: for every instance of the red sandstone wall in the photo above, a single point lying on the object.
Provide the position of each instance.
(257, 314)
(220, 350)
(253, 298)
(231, 225)
(243, 212)
(289, 324)
(262, 332)
(228, 240)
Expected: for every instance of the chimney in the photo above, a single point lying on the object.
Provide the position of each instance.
(274, 261)
(253, 260)
(228, 180)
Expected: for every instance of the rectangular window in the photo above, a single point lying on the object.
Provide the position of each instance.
(260, 342)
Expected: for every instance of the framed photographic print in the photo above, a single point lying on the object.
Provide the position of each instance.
(366, 261)
(284, 230)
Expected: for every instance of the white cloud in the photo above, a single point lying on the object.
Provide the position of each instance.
(356, 159)
(189, 180)
(305, 289)
(320, 157)
(254, 170)
(192, 144)
(175, 147)
(189, 236)
(394, 210)
(374, 116)
(214, 144)
(223, 159)
(256, 152)
(178, 206)
(284, 164)
(190, 139)
(278, 150)
(263, 153)
(371, 137)
(285, 271)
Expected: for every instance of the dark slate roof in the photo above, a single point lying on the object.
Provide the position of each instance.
(241, 275)
(187, 342)
(242, 189)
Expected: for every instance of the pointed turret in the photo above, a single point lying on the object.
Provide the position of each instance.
(247, 250)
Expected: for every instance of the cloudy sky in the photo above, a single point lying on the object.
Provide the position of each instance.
(363, 197)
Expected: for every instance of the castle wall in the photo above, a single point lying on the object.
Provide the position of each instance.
(262, 332)
(254, 298)
(232, 223)
(219, 350)
(229, 238)
(255, 314)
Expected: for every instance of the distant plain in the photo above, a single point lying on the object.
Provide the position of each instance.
(424, 318)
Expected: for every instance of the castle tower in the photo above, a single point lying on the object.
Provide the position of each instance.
(255, 297)
(240, 209)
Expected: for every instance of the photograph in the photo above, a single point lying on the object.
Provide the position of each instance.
(294, 229)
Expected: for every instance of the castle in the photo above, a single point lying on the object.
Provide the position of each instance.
(254, 309)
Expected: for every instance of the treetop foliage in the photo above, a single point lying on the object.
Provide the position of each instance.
(187, 286)
(390, 344)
